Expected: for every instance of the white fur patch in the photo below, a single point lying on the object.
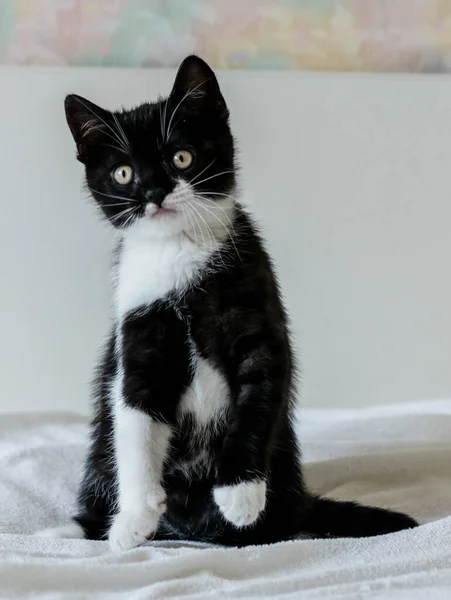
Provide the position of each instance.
(72, 531)
(133, 528)
(241, 504)
(141, 446)
(160, 255)
(200, 464)
(208, 396)
(151, 268)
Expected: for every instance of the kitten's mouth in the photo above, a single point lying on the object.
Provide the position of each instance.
(158, 212)
(161, 211)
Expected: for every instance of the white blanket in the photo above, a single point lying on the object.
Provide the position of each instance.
(398, 457)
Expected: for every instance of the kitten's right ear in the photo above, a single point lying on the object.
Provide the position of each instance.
(87, 122)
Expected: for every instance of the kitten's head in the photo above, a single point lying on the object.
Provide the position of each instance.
(163, 168)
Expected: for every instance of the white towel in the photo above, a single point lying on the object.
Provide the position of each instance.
(397, 456)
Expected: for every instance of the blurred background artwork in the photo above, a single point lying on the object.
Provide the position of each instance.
(338, 35)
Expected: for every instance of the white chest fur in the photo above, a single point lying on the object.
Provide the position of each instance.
(149, 269)
(207, 400)
(208, 396)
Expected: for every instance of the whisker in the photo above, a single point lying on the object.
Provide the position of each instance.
(215, 205)
(118, 204)
(188, 216)
(192, 219)
(200, 228)
(111, 195)
(203, 171)
(129, 218)
(216, 194)
(212, 177)
(122, 213)
(231, 236)
(211, 234)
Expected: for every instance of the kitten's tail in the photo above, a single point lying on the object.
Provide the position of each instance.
(332, 518)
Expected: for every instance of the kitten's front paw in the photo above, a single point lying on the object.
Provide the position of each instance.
(133, 528)
(241, 504)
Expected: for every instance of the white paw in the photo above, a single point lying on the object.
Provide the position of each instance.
(242, 503)
(71, 531)
(133, 528)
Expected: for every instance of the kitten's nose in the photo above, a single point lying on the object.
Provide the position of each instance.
(156, 196)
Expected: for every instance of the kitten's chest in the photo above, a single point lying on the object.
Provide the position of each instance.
(203, 413)
(147, 271)
(207, 398)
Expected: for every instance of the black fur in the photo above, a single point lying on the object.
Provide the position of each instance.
(234, 315)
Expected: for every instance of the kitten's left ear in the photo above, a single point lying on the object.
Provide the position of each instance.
(196, 84)
(87, 122)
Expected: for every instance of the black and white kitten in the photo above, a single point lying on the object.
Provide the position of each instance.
(192, 436)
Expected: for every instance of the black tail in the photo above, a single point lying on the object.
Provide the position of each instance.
(331, 518)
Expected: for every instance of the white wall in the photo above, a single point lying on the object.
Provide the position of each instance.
(349, 176)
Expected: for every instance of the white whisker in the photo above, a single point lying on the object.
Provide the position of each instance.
(130, 200)
(231, 235)
(216, 205)
(188, 216)
(206, 194)
(212, 177)
(192, 219)
(129, 219)
(210, 233)
(200, 228)
(123, 213)
(118, 204)
(203, 171)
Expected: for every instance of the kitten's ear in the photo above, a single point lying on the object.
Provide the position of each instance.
(196, 84)
(87, 122)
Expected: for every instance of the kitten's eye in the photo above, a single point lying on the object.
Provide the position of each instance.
(123, 175)
(182, 159)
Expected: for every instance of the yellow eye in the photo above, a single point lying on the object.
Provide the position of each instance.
(182, 159)
(123, 175)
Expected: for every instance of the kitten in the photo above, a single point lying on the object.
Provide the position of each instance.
(192, 434)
